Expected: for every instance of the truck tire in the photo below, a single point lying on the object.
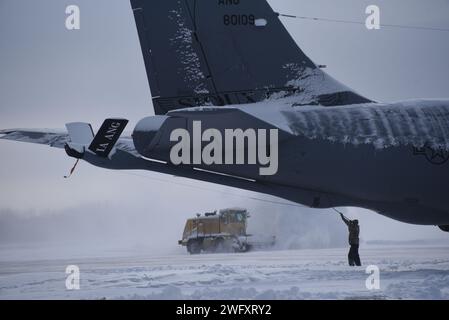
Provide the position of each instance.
(194, 246)
(220, 245)
(242, 248)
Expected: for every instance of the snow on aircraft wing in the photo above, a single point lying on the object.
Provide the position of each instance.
(58, 138)
(52, 138)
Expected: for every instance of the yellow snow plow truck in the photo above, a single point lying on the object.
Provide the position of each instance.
(224, 231)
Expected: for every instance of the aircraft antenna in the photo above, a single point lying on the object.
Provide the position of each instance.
(401, 26)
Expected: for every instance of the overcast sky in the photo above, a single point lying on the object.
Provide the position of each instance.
(50, 76)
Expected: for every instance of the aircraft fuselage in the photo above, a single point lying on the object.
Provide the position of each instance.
(391, 158)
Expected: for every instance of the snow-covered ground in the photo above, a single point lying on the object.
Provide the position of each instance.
(406, 272)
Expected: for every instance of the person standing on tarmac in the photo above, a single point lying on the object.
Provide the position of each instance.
(354, 231)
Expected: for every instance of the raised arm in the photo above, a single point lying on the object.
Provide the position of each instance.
(345, 220)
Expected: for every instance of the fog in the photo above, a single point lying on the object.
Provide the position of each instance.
(50, 76)
(94, 228)
(154, 227)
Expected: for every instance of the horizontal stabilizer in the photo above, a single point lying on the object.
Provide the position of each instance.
(79, 137)
(80, 133)
(53, 138)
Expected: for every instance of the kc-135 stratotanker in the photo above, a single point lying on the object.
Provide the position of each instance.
(233, 65)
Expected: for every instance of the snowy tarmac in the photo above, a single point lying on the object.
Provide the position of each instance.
(406, 272)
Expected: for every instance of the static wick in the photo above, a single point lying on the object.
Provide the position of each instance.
(73, 169)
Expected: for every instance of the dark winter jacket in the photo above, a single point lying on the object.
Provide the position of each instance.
(354, 231)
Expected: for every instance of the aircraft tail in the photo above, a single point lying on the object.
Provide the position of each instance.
(224, 52)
